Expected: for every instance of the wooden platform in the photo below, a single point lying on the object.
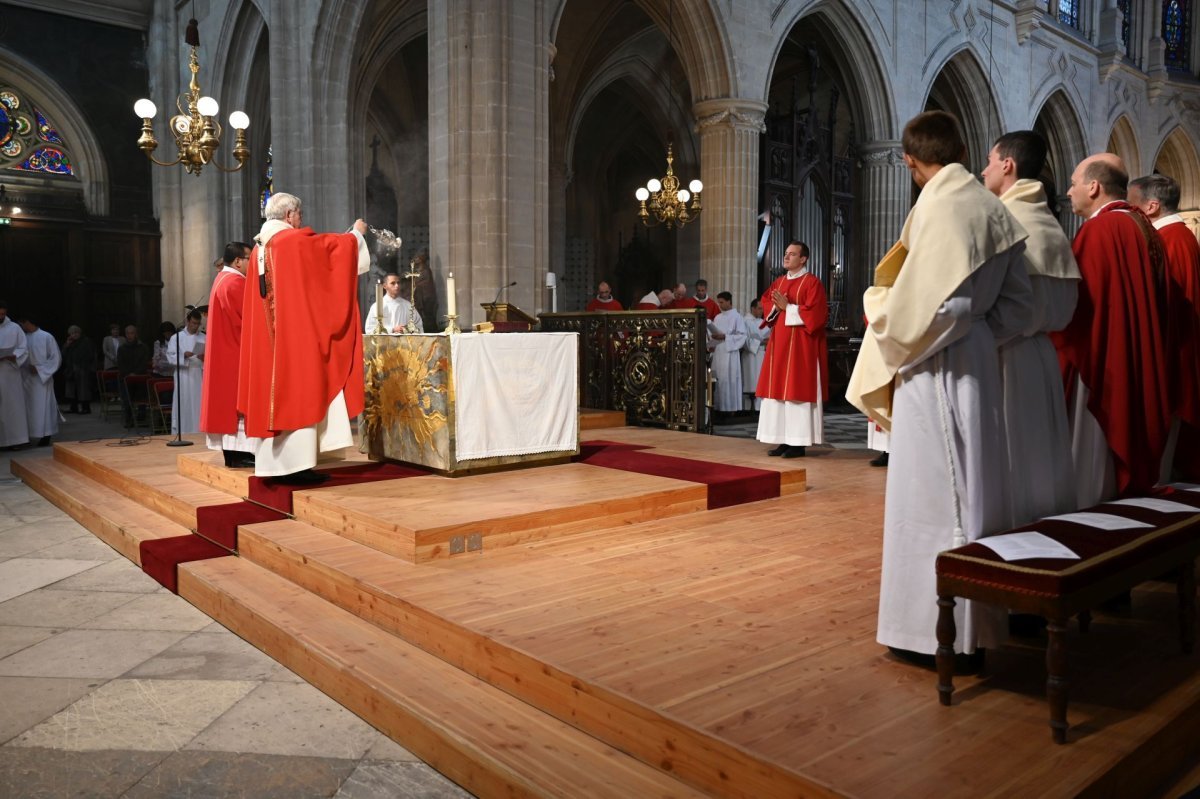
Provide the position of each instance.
(727, 652)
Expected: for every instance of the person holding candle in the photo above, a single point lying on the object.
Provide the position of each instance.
(298, 390)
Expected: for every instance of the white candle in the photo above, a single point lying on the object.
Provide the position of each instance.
(378, 297)
(451, 301)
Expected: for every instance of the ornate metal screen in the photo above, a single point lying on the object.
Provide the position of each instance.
(650, 364)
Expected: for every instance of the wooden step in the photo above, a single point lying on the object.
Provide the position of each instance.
(593, 418)
(485, 740)
(208, 466)
(371, 584)
(115, 519)
(145, 473)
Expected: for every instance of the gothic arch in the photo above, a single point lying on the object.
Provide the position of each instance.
(962, 88)
(1177, 158)
(1058, 122)
(91, 166)
(1122, 140)
(868, 89)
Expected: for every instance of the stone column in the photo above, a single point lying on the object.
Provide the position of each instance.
(489, 70)
(730, 138)
(885, 199)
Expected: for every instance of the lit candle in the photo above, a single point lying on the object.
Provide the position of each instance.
(451, 301)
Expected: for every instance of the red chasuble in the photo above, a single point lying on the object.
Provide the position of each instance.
(789, 370)
(1115, 342)
(302, 344)
(218, 403)
(598, 304)
(1183, 340)
(708, 304)
(682, 304)
(645, 306)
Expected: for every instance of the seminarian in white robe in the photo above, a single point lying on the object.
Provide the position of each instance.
(189, 377)
(14, 423)
(947, 484)
(752, 357)
(1035, 409)
(395, 315)
(41, 408)
(726, 356)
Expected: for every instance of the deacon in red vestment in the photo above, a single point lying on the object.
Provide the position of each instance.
(301, 376)
(1113, 351)
(219, 417)
(702, 300)
(603, 301)
(794, 382)
(1158, 197)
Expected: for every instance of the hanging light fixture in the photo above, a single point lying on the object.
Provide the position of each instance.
(663, 201)
(195, 128)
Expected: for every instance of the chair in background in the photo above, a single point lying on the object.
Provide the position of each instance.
(107, 383)
(138, 396)
(161, 393)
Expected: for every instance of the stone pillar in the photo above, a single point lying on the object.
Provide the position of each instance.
(885, 200)
(489, 70)
(557, 194)
(730, 138)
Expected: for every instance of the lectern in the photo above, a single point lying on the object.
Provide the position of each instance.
(507, 318)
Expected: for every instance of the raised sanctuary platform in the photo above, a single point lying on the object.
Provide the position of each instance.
(649, 646)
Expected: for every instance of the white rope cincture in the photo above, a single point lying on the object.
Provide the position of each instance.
(960, 538)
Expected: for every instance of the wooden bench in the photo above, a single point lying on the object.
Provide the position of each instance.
(1110, 562)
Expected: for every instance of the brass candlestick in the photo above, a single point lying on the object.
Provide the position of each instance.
(452, 324)
(412, 274)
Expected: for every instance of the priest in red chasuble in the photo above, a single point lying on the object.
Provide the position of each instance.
(224, 427)
(301, 373)
(1158, 197)
(604, 300)
(794, 382)
(1113, 352)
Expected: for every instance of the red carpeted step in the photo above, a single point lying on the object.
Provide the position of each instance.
(161, 557)
(727, 485)
(220, 523)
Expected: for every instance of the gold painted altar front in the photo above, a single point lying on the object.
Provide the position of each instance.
(410, 410)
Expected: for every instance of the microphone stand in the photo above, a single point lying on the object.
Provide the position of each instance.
(500, 291)
(178, 393)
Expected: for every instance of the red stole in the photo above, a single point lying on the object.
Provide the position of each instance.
(789, 370)
(302, 344)
(222, 353)
(1115, 341)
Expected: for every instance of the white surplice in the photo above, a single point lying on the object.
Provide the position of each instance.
(41, 408)
(297, 450)
(14, 423)
(189, 380)
(726, 360)
(752, 356)
(1035, 408)
(395, 314)
(948, 457)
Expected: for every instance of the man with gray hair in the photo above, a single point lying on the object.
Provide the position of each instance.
(297, 390)
(1158, 198)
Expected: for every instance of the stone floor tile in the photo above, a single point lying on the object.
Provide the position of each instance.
(29, 509)
(23, 538)
(288, 719)
(86, 547)
(143, 715)
(210, 656)
(385, 748)
(88, 653)
(22, 575)
(50, 607)
(54, 774)
(385, 780)
(14, 639)
(227, 775)
(28, 701)
(162, 611)
(116, 575)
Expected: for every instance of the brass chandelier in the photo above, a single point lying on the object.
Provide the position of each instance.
(195, 128)
(663, 202)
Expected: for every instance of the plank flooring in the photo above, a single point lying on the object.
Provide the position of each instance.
(732, 649)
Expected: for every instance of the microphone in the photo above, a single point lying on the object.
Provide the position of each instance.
(496, 299)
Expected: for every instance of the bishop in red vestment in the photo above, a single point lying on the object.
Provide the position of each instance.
(794, 382)
(301, 375)
(1158, 197)
(1113, 351)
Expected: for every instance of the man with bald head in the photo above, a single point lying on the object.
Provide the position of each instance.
(603, 301)
(1157, 196)
(1112, 352)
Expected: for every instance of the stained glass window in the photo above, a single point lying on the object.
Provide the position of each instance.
(1068, 12)
(268, 186)
(1176, 33)
(1126, 7)
(26, 136)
